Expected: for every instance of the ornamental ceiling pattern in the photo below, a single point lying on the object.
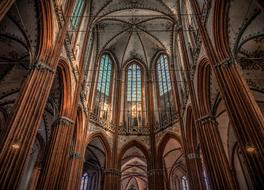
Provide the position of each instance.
(133, 29)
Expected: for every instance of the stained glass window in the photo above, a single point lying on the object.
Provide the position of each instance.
(77, 13)
(184, 183)
(164, 84)
(102, 107)
(134, 95)
(163, 75)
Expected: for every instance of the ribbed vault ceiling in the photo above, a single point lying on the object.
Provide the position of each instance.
(134, 29)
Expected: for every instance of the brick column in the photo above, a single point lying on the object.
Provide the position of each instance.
(245, 115)
(34, 178)
(29, 108)
(215, 159)
(58, 154)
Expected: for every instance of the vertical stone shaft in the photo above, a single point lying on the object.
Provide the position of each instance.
(244, 113)
(59, 149)
(77, 160)
(34, 178)
(223, 171)
(23, 127)
(193, 164)
(154, 179)
(27, 115)
(112, 180)
(219, 174)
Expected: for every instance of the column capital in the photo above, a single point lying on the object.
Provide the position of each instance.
(112, 171)
(193, 155)
(155, 171)
(209, 118)
(75, 155)
(42, 66)
(225, 63)
(63, 121)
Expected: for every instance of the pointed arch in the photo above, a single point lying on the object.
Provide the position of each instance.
(46, 37)
(220, 28)
(65, 79)
(191, 135)
(161, 146)
(131, 144)
(203, 85)
(105, 143)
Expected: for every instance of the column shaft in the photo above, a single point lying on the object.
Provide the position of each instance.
(245, 115)
(194, 167)
(23, 127)
(34, 178)
(57, 155)
(215, 160)
(28, 112)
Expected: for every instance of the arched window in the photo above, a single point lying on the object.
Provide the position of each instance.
(165, 98)
(77, 13)
(134, 96)
(103, 89)
(184, 183)
(85, 181)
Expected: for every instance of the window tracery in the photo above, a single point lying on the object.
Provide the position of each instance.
(76, 14)
(165, 98)
(134, 96)
(103, 90)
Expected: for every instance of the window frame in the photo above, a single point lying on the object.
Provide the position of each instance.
(166, 98)
(142, 73)
(111, 84)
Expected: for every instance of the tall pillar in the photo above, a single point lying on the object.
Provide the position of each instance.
(193, 164)
(75, 174)
(245, 115)
(113, 176)
(155, 182)
(34, 178)
(112, 179)
(75, 163)
(29, 110)
(58, 154)
(23, 126)
(156, 179)
(215, 160)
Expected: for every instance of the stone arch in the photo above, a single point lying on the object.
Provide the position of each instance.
(190, 130)
(164, 159)
(203, 86)
(65, 79)
(105, 143)
(46, 38)
(165, 139)
(134, 157)
(220, 29)
(130, 144)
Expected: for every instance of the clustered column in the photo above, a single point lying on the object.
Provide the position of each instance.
(29, 110)
(193, 160)
(59, 149)
(245, 115)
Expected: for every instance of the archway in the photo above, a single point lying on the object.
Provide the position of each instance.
(134, 166)
(96, 160)
(171, 161)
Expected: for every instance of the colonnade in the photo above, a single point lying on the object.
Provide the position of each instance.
(244, 113)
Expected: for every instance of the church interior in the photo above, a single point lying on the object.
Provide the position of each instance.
(131, 94)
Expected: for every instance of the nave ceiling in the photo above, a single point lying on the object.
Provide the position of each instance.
(133, 29)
